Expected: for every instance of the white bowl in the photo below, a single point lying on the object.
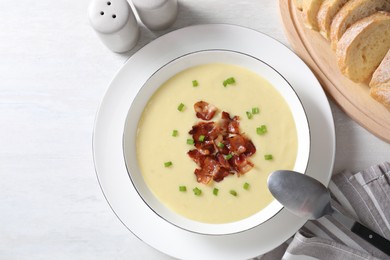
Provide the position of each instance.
(173, 68)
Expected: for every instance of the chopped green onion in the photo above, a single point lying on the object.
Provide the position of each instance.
(180, 107)
(201, 138)
(182, 188)
(261, 130)
(246, 186)
(229, 81)
(268, 157)
(190, 141)
(215, 191)
(255, 110)
(220, 145)
(167, 164)
(197, 191)
(228, 157)
(195, 83)
(249, 115)
(175, 133)
(233, 192)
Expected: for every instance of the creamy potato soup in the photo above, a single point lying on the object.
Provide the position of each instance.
(163, 141)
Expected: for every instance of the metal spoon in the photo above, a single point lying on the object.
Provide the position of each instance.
(308, 198)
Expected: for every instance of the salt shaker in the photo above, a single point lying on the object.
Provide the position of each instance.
(115, 24)
(156, 14)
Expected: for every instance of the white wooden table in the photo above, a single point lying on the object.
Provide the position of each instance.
(54, 71)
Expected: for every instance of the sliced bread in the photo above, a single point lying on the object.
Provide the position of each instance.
(310, 10)
(382, 73)
(325, 15)
(380, 82)
(382, 94)
(363, 46)
(351, 12)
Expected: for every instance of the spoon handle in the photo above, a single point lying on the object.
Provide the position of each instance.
(373, 238)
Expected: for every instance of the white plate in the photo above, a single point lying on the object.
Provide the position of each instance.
(108, 150)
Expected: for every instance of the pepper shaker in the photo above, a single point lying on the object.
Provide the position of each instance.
(156, 14)
(115, 24)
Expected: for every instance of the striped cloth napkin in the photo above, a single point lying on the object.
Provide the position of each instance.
(365, 196)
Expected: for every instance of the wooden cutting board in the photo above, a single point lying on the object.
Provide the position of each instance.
(316, 52)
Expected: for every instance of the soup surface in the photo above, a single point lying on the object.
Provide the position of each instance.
(163, 132)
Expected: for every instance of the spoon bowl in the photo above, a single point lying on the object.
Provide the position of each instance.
(302, 195)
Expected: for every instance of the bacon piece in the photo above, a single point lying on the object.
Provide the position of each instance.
(208, 129)
(234, 125)
(204, 110)
(205, 174)
(221, 174)
(237, 144)
(205, 147)
(250, 147)
(211, 170)
(224, 122)
(222, 161)
(202, 176)
(196, 156)
(228, 124)
(241, 164)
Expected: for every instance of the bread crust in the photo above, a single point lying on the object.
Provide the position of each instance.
(381, 94)
(328, 10)
(310, 10)
(381, 75)
(380, 82)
